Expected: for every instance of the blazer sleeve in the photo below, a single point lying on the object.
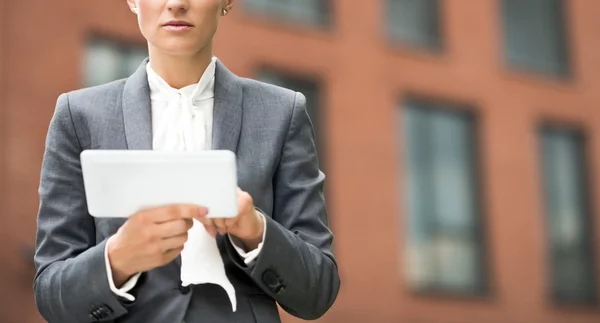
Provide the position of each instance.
(296, 265)
(71, 283)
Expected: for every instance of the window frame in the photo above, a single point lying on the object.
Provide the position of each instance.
(562, 25)
(325, 21)
(588, 221)
(124, 48)
(466, 110)
(437, 48)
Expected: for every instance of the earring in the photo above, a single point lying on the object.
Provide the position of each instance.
(134, 10)
(224, 12)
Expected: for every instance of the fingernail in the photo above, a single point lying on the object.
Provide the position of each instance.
(202, 211)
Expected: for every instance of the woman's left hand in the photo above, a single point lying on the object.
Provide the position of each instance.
(247, 226)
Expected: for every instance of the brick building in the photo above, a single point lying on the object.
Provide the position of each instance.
(461, 140)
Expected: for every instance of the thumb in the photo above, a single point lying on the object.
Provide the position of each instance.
(201, 213)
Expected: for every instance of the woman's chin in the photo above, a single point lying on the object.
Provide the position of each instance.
(179, 49)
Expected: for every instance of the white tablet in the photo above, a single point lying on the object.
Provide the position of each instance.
(118, 183)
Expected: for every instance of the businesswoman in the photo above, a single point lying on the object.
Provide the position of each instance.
(277, 249)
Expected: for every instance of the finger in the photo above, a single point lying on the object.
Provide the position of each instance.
(244, 202)
(177, 211)
(200, 212)
(173, 242)
(174, 228)
(171, 254)
(194, 212)
(165, 213)
(220, 225)
(229, 222)
(208, 225)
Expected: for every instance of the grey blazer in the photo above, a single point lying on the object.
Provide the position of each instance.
(270, 132)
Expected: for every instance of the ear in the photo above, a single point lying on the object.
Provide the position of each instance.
(132, 6)
(228, 4)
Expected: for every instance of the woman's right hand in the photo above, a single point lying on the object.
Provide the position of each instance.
(149, 239)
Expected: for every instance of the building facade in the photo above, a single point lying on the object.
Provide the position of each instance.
(461, 140)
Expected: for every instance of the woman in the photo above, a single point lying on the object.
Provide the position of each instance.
(277, 249)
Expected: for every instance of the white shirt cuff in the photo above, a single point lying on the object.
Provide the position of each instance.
(124, 290)
(250, 256)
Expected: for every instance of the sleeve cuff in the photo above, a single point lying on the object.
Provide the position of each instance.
(122, 292)
(250, 256)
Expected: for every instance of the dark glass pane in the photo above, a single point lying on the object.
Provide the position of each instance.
(133, 60)
(414, 22)
(572, 269)
(444, 249)
(313, 12)
(534, 35)
(106, 61)
(101, 63)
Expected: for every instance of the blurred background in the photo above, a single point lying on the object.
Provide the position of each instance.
(461, 140)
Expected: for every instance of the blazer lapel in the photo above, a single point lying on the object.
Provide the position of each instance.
(137, 118)
(227, 111)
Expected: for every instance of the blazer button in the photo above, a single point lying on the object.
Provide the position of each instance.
(271, 279)
(184, 289)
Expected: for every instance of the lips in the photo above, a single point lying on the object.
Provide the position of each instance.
(178, 23)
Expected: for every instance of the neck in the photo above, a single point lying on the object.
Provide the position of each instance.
(180, 70)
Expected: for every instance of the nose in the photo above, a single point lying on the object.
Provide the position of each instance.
(177, 5)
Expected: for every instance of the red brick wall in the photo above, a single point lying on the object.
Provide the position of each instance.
(43, 57)
(3, 249)
(365, 77)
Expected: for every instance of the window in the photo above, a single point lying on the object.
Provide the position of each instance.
(311, 90)
(414, 22)
(534, 35)
(106, 61)
(312, 12)
(444, 246)
(567, 214)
